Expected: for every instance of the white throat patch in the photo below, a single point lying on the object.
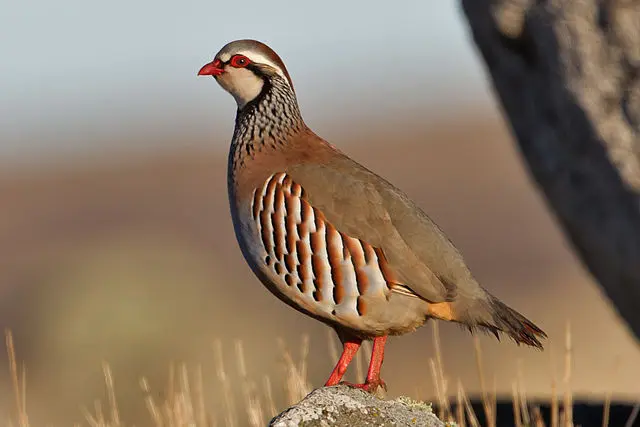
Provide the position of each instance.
(242, 84)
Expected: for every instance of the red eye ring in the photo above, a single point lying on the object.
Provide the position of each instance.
(239, 61)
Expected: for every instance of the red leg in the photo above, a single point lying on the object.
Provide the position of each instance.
(377, 357)
(373, 380)
(349, 349)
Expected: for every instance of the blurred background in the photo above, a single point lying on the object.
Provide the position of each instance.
(115, 240)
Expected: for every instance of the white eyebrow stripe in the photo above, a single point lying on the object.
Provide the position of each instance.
(261, 59)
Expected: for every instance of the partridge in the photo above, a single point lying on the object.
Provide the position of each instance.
(329, 237)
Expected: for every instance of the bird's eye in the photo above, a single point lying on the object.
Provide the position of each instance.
(239, 61)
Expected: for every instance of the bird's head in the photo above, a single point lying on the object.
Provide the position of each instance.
(244, 67)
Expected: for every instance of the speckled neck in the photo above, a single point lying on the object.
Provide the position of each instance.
(268, 121)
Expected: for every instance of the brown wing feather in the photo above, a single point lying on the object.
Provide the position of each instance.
(362, 204)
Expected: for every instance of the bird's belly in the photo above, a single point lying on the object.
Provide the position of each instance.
(372, 312)
(306, 281)
(304, 260)
(340, 291)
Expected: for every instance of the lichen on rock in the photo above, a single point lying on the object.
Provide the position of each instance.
(347, 406)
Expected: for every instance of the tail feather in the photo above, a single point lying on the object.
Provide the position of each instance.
(498, 317)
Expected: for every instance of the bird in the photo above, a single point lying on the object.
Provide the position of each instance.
(331, 238)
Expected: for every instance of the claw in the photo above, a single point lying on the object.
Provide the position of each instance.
(373, 381)
(370, 386)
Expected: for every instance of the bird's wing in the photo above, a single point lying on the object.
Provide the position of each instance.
(361, 204)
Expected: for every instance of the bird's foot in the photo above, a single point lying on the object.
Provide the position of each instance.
(370, 386)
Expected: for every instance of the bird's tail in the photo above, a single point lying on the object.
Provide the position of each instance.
(494, 316)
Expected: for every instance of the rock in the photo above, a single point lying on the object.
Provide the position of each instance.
(347, 406)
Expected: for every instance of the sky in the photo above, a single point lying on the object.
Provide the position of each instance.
(77, 74)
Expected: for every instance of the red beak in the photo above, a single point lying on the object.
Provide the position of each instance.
(214, 68)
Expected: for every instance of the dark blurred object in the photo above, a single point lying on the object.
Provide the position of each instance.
(567, 77)
(585, 414)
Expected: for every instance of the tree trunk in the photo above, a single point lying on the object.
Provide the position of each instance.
(567, 73)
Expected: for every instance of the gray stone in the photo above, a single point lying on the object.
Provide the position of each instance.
(343, 406)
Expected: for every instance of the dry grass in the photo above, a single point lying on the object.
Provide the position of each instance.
(525, 414)
(19, 380)
(184, 401)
